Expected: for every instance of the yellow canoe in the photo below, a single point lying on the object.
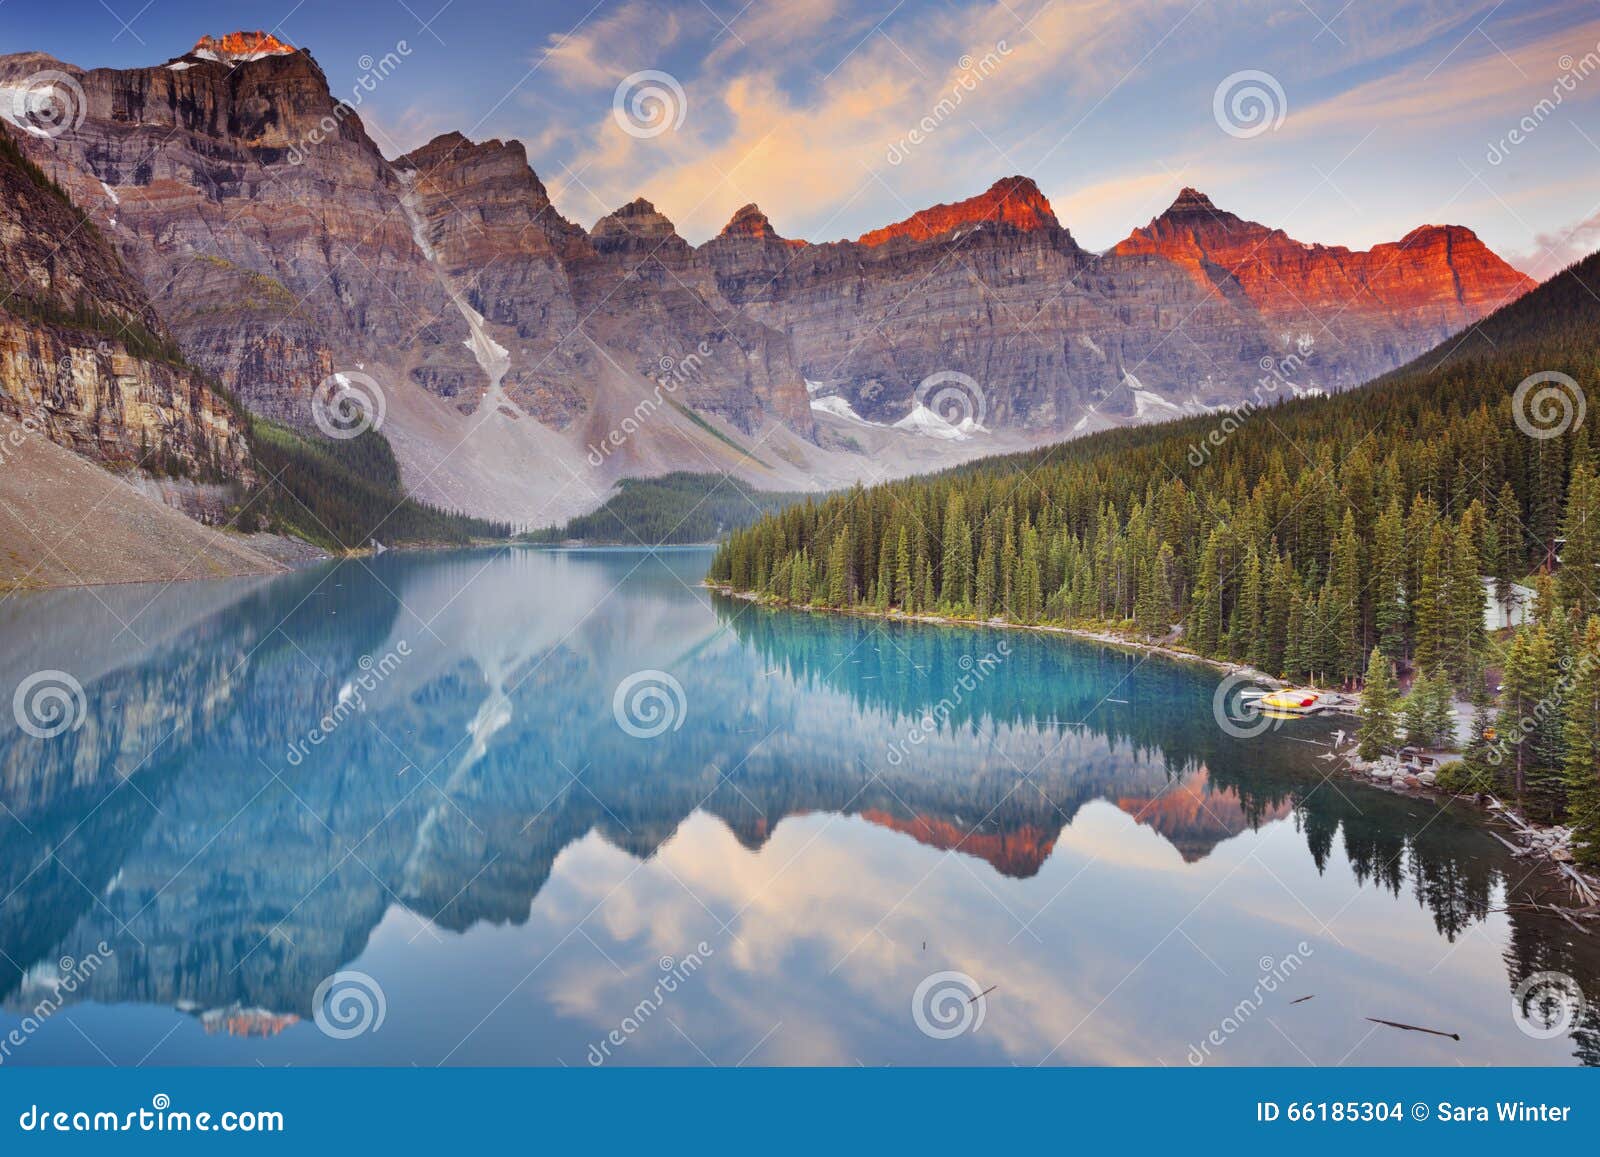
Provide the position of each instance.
(1289, 700)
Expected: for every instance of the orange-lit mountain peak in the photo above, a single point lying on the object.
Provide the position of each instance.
(1014, 201)
(1018, 853)
(236, 44)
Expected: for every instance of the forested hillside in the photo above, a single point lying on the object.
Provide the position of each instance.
(342, 494)
(676, 508)
(1294, 536)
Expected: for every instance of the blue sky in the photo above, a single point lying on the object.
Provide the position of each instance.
(1382, 115)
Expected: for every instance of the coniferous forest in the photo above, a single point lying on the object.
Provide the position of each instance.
(1298, 538)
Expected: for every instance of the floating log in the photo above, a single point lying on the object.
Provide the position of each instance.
(1415, 1028)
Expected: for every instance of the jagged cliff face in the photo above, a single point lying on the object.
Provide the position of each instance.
(1176, 318)
(1365, 311)
(81, 349)
(993, 288)
(279, 245)
(264, 223)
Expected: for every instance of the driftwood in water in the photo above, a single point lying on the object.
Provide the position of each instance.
(1515, 851)
(1415, 1028)
(1581, 886)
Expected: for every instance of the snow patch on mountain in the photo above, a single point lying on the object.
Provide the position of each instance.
(839, 408)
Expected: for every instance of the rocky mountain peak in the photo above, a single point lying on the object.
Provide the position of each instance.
(233, 46)
(638, 219)
(1190, 200)
(750, 221)
(1013, 201)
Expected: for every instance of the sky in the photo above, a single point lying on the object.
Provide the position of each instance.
(1340, 121)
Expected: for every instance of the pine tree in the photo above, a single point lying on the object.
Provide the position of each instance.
(841, 582)
(1581, 760)
(1466, 599)
(1388, 582)
(1377, 730)
(1440, 710)
(1580, 555)
(1510, 560)
(1417, 711)
(1205, 617)
(902, 572)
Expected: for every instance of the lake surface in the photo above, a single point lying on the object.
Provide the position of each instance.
(395, 811)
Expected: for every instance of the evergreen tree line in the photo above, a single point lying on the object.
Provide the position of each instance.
(1307, 536)
(341, 494)
(677, 508)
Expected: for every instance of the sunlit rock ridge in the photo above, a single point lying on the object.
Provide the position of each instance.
(280, 242)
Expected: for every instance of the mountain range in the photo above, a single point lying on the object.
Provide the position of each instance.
(527, 364)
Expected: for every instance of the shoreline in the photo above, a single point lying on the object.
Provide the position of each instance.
(1107, 638)
(1540, 844)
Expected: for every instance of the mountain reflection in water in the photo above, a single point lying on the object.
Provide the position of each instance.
(472, 828)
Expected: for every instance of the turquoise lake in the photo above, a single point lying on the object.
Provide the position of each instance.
(526, 807)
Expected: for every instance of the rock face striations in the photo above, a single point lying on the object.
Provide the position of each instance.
(1364, 311)
(279, 244)
(84, 359)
